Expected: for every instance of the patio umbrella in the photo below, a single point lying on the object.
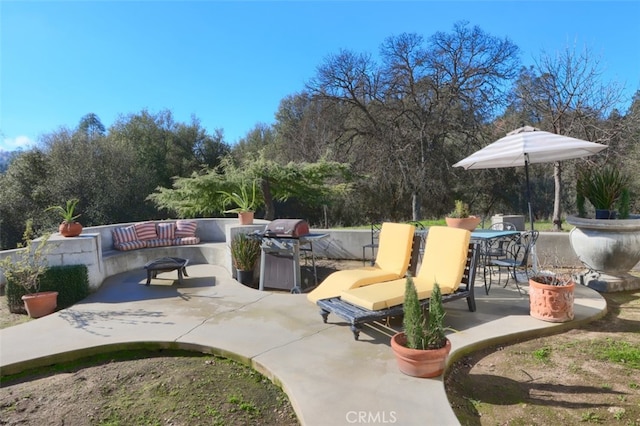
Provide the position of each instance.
(528, 145)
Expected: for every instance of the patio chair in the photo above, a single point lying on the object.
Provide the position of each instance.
(421, 232)
(495, 249)
(374, 244)
(392, 262)
(449, 259)
(515, 260)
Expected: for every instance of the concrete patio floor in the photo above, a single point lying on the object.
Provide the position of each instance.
(330, 378)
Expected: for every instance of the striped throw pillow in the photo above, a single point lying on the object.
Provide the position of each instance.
(166, 231)
(124, 235)
(146, 231)
(185, 228)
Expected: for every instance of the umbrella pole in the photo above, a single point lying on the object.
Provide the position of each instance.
(534, 254)
(526, 173)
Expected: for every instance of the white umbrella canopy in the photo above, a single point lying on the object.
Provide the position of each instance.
(527, 145)
(524, 146)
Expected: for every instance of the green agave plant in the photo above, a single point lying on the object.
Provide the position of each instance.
(603, 187)
(66, 212)
(246, 198)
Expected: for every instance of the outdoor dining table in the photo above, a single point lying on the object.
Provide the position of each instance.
(483, 235)
(489, 240)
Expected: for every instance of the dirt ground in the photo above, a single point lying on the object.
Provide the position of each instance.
(146, 388)
(588, 375)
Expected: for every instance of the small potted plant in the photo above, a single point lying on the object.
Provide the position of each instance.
(605, 188)
(23, 271)
(244, 254)
(246, 199)
(461, 218)
(69, 227)
(422, 349)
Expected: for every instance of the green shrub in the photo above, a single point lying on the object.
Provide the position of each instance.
(70, 281)
(14, 294)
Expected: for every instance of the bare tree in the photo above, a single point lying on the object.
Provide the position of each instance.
(414, 113)
(565, 93)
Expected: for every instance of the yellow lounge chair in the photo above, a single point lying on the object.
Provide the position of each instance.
(449, 259)
(392, 263)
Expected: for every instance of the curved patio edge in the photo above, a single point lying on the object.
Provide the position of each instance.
(329, 377)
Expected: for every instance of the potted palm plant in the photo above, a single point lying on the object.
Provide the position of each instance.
(69, 227)
(460, 217)
(246, 199)
(422, 349)
(23, 271)
(244, 254)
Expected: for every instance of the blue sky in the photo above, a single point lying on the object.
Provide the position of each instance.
(230, 63)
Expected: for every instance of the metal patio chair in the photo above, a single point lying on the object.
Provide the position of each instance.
(373, 245)
(516, 259)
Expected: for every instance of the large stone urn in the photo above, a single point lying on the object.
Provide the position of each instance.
(609, 249)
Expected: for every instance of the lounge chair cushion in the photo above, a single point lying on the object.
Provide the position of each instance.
(158, 242)
(185, 241)
(349, 278)
(392, 262)
(443, 262)
(394, 247)
(444, 257)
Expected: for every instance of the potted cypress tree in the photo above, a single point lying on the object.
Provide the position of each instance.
(422, 349)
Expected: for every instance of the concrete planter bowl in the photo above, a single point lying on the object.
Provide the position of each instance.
(609, 249)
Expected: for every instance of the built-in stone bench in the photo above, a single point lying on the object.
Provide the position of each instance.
(116, 262)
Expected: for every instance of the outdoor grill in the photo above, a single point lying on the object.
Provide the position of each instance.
(281, 243)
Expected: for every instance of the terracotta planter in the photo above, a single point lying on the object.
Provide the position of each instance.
(419, 363)
(246, 218)
(40, 304)
(469, 223)
(70, 229)
(551, 303)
